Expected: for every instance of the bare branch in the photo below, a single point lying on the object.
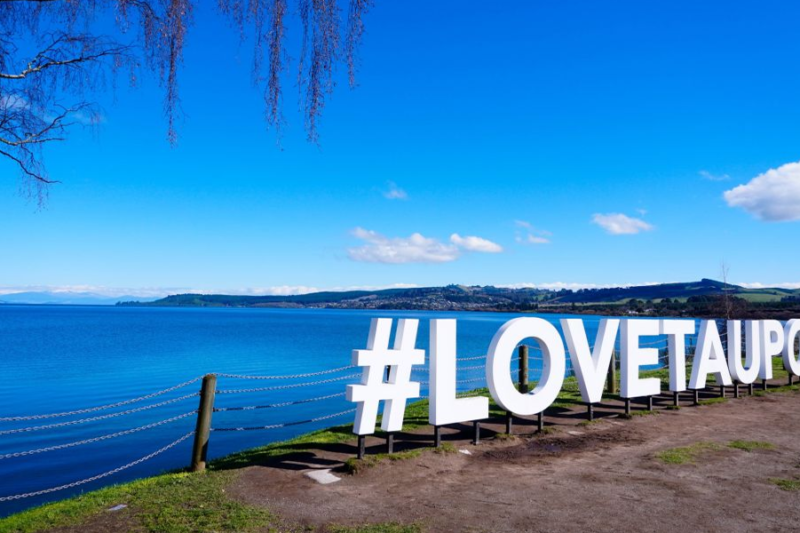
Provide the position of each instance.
(355, 33)
(26, 170)
(49, 54)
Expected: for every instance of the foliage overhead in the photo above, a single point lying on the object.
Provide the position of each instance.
(53, 59)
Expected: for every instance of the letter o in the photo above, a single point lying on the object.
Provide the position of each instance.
(790, 358)
(498, 362)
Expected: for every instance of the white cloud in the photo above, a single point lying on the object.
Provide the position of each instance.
(533, 236)
(773, 196)
(398, 250)
(558, 285)
(280, 290)
(160, 292)
(475, 244)
(13, 101)
(416, 248)
(99, 290)
(536, 239)
(759, 285)
(713, 177)
(619, 224)
(394, 192)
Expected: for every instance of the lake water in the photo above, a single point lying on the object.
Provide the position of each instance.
(64, 358)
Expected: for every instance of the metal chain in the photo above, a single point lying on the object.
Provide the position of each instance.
(425, 370)
(286, 424)
(99, 476)
(103, 417)
(473, 380)
(97, 439)
(101, 407)
(282, 387)
(473, 358)
(295, 376)
(271, 406)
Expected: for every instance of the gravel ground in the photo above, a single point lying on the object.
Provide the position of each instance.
(596, 477)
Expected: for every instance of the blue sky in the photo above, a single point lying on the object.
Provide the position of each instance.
(610, 130)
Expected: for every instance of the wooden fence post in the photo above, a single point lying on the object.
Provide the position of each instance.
(523, 369)
(612, 374)
(203, 428)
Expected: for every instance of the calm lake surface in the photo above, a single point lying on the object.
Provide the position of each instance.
(65, 358)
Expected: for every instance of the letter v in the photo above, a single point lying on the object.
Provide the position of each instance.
(590, 367)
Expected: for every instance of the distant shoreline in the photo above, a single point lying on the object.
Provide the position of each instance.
(703, 299)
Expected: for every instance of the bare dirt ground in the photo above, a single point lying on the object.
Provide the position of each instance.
(598, 477)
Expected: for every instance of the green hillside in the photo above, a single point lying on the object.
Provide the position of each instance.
(704, 298)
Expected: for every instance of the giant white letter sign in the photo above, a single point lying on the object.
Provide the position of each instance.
(676, 331)
(791, 334)
(711, 358)
(771, 345)
(748, 372)
(498, 363)
(632, 356)
(444, 407)
(398, 389)
(590, 367)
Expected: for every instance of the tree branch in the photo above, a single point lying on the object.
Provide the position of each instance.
(34, 68)
(38, 177)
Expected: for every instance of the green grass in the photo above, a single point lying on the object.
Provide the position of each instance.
(356, 466)
(182, 502)
(686, 454)
(416, 416)
(569, 396)
(712, 401)
(170, 503)
(690, 454)
(791, 485)
(776, 389)
(445, 448)
(644, 412)
(761, 297)
(750, 445)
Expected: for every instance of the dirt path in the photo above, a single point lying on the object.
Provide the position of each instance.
(598, 477)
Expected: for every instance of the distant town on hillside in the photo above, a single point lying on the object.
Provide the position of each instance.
(704, 298)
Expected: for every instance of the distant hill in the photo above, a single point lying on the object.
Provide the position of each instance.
(698, 298)
(449, 297)
(681, 291)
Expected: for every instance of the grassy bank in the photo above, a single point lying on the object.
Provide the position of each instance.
(180, 502)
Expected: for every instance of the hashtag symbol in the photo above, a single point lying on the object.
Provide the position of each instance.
(395, 390)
